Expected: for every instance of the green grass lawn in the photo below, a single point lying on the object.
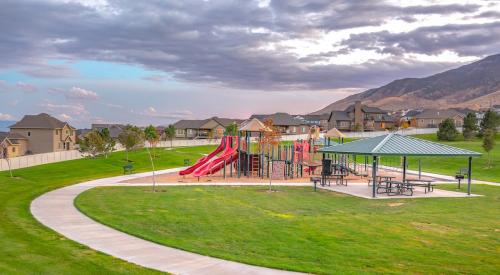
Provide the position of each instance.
(28, 247)
(450, 165)
(322, 232)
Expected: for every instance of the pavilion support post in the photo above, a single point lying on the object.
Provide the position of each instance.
(374, 175)
(419, 168)
(469, 176)
(404, 168)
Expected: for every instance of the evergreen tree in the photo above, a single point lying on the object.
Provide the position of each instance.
(447, 130)
(470, 126)
(491, 120)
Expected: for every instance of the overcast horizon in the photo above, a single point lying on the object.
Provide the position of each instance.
(155, 62)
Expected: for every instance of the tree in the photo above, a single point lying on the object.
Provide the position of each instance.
(108, 143)
(4, 154)
(232, 129)
(488, 143)
(470, 126)
(151, 137)
(131, 138)
(170, 133)
(447, 130)
(272, 137)
(491, 120)
(92, 143)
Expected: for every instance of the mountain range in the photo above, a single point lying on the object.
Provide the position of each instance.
(474, 86)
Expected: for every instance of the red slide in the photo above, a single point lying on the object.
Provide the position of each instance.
(206, 158)
(229, 155)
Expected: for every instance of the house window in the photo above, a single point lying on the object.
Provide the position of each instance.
(13, 149)
(29, 134)
(294, 129)
(303, 129)
(67, 132)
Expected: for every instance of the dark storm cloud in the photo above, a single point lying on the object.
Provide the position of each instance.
(224, 41)
(464, 39)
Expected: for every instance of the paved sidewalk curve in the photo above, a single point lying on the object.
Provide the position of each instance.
(56, 210)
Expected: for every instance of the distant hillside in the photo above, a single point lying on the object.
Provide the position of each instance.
(5, 124)
(472, 86)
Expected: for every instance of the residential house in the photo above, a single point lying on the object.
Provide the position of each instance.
(315, 120)
(286, 123)
(431, 118)
(339, 120)
(205, 128)
(114, 129)
(359, 117)
(12, 144)
(44, 134)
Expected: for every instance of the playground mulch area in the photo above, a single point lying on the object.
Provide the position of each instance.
(218, 177)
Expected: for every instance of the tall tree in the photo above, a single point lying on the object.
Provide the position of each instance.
(488, 143)
(152, 138)
(131, 138)
(170, 133)
(447, 130)
(108, 143)
(491, 120)
(470, 126)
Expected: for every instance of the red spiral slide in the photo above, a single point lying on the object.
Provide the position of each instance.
(206, 158)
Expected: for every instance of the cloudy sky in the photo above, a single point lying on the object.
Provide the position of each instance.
(159, 61)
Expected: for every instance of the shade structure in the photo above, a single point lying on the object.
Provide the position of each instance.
(334, 133)
(254, 125)
(397, 145)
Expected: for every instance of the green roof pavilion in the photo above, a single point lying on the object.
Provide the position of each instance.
(399, 145)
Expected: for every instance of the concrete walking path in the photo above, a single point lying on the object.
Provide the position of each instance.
(56, 210)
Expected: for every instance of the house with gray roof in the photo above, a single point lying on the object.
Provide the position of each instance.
(44, 134)
(285, 122)
(203, 128)
(114, 129)
(315, 120)
(360, 117)
(431, 118)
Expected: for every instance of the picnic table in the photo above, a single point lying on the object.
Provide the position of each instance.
(427, 184)
(381, 179)
(393, 188)
(339, 179)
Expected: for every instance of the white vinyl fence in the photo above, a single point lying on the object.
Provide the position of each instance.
(38, 159)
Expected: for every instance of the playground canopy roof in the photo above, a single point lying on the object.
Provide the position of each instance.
(334, 133)
(254, 125)
(395, 144)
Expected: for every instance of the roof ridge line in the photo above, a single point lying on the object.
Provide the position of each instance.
(384, 141)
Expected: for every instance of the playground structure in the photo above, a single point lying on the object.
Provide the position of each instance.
(249, 155)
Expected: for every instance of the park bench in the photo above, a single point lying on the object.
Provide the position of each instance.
(128, 169)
